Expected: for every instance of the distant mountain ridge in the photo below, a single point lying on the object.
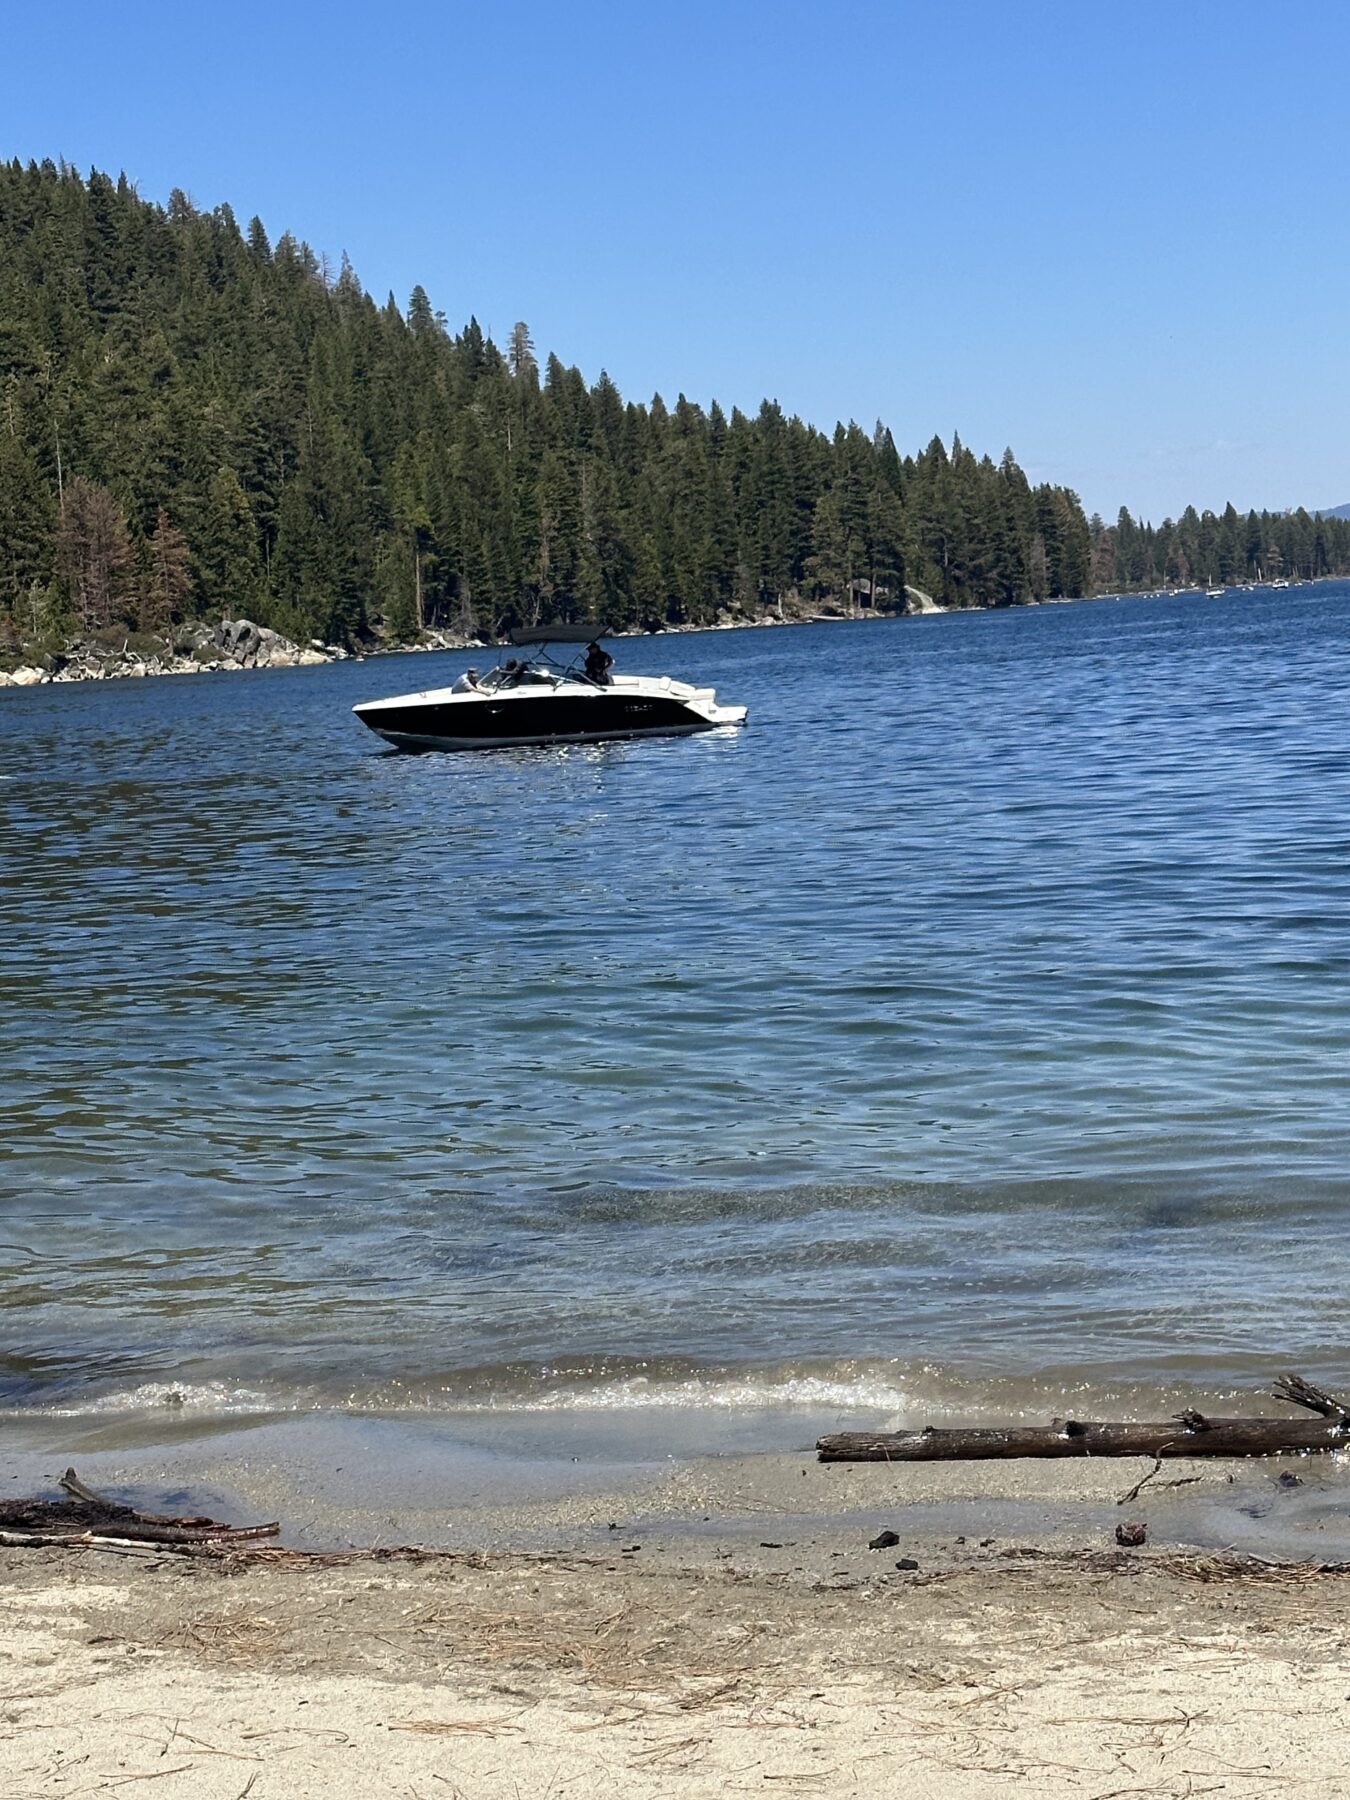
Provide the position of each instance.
(1333, 512)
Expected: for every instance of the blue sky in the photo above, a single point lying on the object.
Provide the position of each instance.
(1107, 234)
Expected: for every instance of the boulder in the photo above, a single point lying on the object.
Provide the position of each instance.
(242, 640)
(246, 645)
(193, 637)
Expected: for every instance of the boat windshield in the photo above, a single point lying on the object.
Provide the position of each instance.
(525, 674)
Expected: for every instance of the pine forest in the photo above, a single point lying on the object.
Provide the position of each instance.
(197, 423)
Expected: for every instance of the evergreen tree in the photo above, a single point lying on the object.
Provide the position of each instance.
(27, 520)
(93, 555)
(228, 560)
(521, 359)
(168, 581)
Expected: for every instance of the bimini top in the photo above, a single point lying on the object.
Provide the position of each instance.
(557, 633)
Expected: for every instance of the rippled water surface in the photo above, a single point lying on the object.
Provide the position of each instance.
(979, 1014)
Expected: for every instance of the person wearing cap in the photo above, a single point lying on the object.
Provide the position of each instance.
(598, 664)
(467, 683)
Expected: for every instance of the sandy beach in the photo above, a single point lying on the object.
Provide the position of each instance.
(711, 1625)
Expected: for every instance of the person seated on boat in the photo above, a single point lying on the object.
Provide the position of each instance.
(467, 683)
(520, 672)
(599, 662)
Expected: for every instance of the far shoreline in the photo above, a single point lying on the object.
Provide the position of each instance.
(94, 665)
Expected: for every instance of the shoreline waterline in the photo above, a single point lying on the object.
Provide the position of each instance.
(338, 1481)
(447, 643)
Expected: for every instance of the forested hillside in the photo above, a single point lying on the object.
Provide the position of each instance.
(1221, 547)
(195, 422)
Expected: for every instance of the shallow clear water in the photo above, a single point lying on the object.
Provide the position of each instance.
(974, 1023)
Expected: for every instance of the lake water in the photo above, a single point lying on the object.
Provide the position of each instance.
(971, 1030)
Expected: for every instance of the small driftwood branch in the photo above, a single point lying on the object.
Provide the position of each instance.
(79, 1540)
(114, 1509)
(1189, 1434)
(71, 1484)
(1299, 1392)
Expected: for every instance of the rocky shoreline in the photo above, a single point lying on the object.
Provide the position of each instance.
(195, 650)
(201, 649)
(240, 644)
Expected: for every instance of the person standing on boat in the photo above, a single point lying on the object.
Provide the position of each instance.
(467, 683)
(598, 665)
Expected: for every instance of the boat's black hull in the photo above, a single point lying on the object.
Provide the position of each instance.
(552, 719)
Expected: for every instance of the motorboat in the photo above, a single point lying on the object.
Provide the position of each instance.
(544, 699)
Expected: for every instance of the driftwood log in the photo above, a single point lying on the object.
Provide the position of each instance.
(85, 1518)
(1189, 1434)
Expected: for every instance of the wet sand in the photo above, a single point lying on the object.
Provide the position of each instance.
(539, 1481)
(654, 1623)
